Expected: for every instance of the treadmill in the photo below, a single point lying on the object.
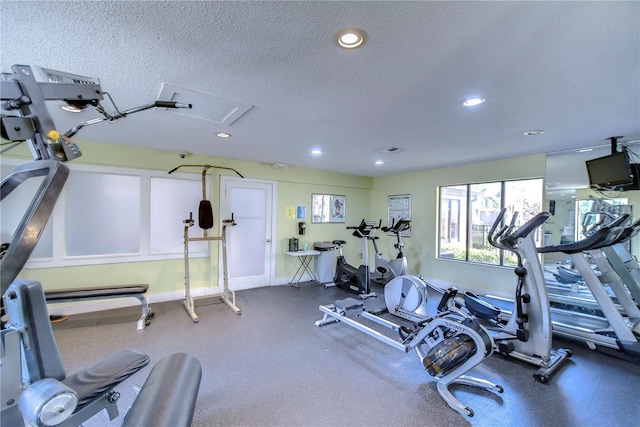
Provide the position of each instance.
(617, 332)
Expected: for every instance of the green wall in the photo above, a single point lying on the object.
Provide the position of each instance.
(298, 193)
(422, 245)
(365, 198)
(294, 187)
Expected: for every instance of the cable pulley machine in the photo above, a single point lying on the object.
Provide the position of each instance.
(205, 222)
(35, 386)
(24, 94)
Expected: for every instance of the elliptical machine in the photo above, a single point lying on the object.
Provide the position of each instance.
(526, 333)
(387, 270)
(347, 277)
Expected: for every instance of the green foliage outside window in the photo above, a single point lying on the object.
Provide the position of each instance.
(467, 213)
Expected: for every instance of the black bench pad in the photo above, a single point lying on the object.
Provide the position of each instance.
(95, 292)
(105, 292)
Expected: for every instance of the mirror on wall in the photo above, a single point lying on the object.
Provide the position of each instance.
(568, 196)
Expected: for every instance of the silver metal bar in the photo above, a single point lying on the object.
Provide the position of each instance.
(36, 216)
(227, 295)
(330, 311)
(614, 317)
(626, 267)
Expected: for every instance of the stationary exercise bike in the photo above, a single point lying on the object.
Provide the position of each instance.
(347, 277)
(385, 270)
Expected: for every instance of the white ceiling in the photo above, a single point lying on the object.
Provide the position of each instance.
(570, 68)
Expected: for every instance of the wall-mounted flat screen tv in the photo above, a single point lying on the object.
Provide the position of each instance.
(611, 171)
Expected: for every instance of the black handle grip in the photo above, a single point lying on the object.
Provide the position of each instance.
(448, 294)
(171, 104)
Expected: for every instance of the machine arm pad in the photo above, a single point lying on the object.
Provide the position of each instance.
(168, 396)
(94, 381)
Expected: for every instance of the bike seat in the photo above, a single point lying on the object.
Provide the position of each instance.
(339, 242)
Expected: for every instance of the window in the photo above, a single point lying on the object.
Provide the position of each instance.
(468, 211)
(103, 214)
(107, 215)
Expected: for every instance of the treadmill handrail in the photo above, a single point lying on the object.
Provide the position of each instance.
(601, 238)
(629, 232)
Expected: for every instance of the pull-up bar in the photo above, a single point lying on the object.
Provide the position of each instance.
(205, 212)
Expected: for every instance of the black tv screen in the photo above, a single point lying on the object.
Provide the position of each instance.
(610, 171)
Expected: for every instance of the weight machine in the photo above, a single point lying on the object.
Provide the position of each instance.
(25, 92)
(205, 222)
(35, 385)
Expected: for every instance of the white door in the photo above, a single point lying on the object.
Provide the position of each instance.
(249, 243)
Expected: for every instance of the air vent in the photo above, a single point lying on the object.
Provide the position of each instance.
(205, 106)
(388, 150)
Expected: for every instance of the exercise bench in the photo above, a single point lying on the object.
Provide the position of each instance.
(105, 292)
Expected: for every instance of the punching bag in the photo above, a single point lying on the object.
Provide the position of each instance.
(205, 215)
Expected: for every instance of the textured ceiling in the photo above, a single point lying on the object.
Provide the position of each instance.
(570, 68)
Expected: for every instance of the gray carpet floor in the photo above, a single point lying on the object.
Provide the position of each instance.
(271, 366)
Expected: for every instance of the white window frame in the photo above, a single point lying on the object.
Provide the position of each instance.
(467, 224)
(58, 221)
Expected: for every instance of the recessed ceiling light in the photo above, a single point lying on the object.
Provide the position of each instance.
(316, 152)
(223, 135)
(379, 162)
(471, 102)
(350, 38)
(533, 132)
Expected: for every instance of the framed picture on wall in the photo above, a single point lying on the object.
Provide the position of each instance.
(328, 208)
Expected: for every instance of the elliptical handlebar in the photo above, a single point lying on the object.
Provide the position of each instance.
(492, 232)
(507, 236)
(529, 226)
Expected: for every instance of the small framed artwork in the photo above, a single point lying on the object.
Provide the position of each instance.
(328, 208)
